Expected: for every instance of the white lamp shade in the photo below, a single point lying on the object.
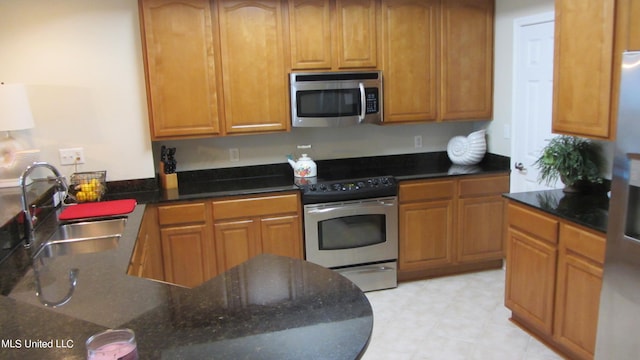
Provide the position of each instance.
(15, 112)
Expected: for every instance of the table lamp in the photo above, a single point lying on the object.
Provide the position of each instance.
(15, 114)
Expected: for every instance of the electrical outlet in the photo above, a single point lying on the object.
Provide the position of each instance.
(234, 154)
(417, 141)
(71, 156)
(506, 131)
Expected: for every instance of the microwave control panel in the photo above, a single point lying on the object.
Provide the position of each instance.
(372, 96)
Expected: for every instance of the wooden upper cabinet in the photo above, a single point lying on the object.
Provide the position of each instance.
(180, 68)
(253, 66)
(437, 59)
(356, 33)
(333, 34)
(409, 48)
(466, 84)
(633, 27)
(584, 68)
(310, 30)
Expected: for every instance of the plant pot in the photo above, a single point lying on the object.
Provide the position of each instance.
(580, 186)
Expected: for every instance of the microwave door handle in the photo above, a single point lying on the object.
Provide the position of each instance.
(363, 103)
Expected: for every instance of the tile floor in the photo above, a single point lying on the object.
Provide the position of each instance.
(449, 318)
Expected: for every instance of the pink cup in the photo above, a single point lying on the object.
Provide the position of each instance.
(118, 344)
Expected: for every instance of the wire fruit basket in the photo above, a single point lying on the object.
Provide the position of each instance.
(88, 186)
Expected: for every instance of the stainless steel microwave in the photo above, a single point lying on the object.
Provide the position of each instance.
(336, 98)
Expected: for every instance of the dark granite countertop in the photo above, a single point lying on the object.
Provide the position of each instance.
(590, 210)
(252, 180)
(270, 307)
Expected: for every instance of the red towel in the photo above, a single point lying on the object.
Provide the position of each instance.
(97, 209)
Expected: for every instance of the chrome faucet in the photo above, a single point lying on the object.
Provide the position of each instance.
(30, 218)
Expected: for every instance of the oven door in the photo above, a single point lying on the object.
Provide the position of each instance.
(352, 233)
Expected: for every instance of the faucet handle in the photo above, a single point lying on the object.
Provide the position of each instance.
(33, 214)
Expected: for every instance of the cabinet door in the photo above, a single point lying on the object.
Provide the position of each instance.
(466, 81)
(236, 242)
(633, 40)
(281, 236)
(310, 34)
(181, 68)
(146, 260)
(480, 228)
(578, 290)
(425, 235)
(530, 279)
(184, 252)
(409, 46)
(584, 34)
(357, 39)
(253, 66)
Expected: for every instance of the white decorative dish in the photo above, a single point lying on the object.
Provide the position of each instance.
(467, 150)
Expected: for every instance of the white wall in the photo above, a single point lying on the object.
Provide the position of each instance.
(82, 63)
(506, 12)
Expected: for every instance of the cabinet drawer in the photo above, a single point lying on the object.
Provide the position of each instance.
(255, 206)
(484, 185)
(181, 213)
(533, 222)
(586, 243)
(426, 190)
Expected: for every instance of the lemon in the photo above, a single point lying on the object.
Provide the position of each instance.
(92, 196)
(81, 195)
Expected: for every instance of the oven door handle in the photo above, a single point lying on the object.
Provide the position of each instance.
(324, 210)
(363, 103)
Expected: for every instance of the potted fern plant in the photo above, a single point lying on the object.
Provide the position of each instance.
(576, 161)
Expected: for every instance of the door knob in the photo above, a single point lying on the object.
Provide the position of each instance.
(519, 166)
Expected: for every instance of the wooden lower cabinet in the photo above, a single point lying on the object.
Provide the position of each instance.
(451, 225)
(553, 279)
(430, 222)
(531, 267)
(146, 260)
(245, 227)
(281, 236)
(187, 243)
(480, 222)
(236, 241)
(578, 288)
(182, 249)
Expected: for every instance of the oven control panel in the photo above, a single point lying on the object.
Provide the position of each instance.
(349, 189)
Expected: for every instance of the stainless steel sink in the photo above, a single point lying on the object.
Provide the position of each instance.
(83, 237)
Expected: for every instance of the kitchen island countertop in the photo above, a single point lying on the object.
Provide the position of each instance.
(270, 307)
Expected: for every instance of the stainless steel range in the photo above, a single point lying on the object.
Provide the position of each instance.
(351, 226)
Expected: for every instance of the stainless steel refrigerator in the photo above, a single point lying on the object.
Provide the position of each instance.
(619, 322)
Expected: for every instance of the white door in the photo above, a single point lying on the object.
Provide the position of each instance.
(533, 93)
